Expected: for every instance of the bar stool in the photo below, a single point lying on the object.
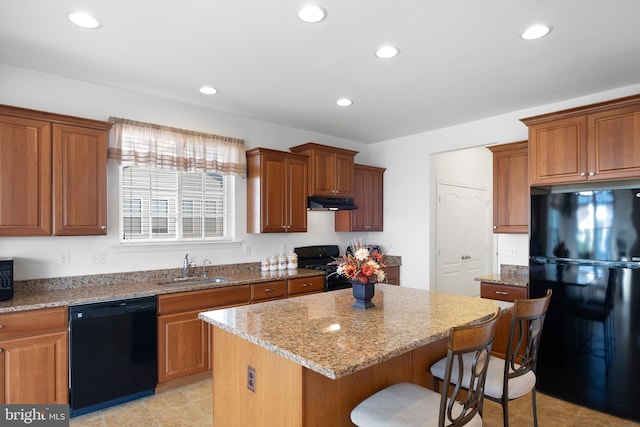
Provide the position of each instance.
(405, 404)
(516, 377)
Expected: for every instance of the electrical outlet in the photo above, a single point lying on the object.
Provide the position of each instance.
(511, 251)
(251, 378)
(247, 249)
(63, 259)
(98, 257)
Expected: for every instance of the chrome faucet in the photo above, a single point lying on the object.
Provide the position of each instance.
(185, 266)
(204, 268)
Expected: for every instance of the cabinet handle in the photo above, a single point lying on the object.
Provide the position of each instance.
(583, 174)
(502, 293)
(104, 227)
(592, 173)
(306, 285)
(269, 290)
(1, 325)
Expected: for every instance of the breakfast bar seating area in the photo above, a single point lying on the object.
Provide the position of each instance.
(309, 361)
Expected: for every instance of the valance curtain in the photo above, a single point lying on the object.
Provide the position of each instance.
(133, 143)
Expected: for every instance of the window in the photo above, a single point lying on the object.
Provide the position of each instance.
(170, 205)
(174, 184)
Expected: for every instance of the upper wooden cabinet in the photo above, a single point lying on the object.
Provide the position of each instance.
(276, 191)
(53, 174)
(596, 142)
(368, 196)
(330, 169)
(510, 188)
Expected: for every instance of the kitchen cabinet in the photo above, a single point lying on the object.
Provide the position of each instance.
(510, 187)
(330, 169)
(597, 142)
(53, 170)
(268, 291)
(34, 357)
(393, 275)
(183, 339)
(368, 196)
(305, 285)
(276, 191)
(507, 293)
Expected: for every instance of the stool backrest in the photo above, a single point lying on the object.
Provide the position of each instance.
(476, 339)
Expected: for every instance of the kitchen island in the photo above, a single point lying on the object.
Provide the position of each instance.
(308, 361)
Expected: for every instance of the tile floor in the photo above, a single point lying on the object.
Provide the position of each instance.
(192, 406)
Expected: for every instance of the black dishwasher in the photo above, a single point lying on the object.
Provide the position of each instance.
(112, 353)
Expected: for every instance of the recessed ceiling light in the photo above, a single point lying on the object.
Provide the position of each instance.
(535, 32)
(344, 102)
(386, 52)
(84, 20)
(312, 14)
(208, 90)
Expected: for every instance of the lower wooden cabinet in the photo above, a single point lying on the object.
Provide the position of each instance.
(34, 357)
(305, 285)
(502, 293)
(268, 291)
(393, 275)
(183, 339)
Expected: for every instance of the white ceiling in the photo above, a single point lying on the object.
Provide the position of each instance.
(460, 60)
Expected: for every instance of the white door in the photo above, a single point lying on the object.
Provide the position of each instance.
(462, 238)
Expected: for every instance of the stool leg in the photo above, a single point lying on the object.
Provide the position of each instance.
(535, 410)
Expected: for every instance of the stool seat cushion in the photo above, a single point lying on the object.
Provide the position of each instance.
(403, 405)
(518, 386)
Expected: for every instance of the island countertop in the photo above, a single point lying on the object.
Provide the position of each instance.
(323, 333)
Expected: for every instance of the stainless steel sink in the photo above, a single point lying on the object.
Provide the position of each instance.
(183, 280)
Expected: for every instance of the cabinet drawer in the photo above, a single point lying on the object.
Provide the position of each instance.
(32, 322)
(502, 292)
(269, 290)
(204, 299)
(393, 275)
(304, 285)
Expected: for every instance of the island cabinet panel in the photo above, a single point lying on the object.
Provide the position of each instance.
(53, 174)
(276, 192)
(510, 187)
(506, 293)
(368, 196)
(330, 169)
(597, 142)
(276, 400)
(184, 348)
(305, 285)
(34, 357)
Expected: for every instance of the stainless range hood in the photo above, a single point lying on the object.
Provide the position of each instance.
(330, 204)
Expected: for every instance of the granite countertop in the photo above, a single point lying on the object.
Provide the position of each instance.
(65, 291)
(47, 293)
(322, 332)
(513, 275)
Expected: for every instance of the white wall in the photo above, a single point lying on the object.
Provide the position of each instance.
(408, 184)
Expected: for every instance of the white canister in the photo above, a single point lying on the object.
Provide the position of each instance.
(282, 262)
(292, 261)
(264, 265)
(273, 263)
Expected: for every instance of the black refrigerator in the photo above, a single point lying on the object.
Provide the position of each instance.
(585, 246)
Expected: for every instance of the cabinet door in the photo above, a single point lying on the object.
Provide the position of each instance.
(614, 144)
(343, 185)
(182, 345)
(393, 275)
(305, 285)
(35, 369)
(273, 194)
(80, 180)
(510, 188)
(374, 197)
(323, 173)
(296, 206)
(558, 151)
(368, 196)
(25, 177)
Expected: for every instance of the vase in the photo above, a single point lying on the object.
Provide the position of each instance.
(363, 294)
